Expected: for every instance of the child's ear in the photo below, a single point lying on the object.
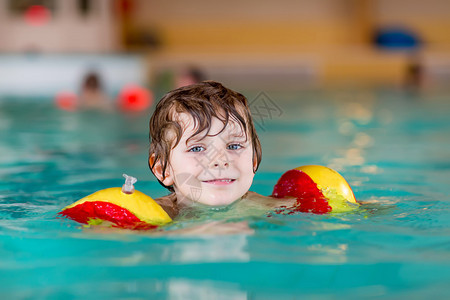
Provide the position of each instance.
(166, 179)
(255, 163)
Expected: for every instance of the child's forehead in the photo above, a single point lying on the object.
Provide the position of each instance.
(189, 126)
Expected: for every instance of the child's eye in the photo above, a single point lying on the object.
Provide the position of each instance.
(196, 149)
(234, 146)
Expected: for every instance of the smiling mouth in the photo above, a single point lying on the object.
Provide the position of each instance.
(222, 181)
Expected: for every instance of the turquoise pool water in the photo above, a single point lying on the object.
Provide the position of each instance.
(393, 148)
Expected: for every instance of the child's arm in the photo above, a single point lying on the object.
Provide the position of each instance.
(269, 201)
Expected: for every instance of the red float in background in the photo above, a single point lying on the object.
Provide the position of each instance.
(37, 15)
(66, 101)
(135, 98)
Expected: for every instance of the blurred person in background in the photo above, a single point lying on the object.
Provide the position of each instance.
(414, 75)
(92, 96)
(188, 76)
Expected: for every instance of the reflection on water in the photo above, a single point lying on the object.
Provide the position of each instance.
(192, 289)
(233, 248)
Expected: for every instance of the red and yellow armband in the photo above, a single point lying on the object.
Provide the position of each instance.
(122, 207)
(318, 189)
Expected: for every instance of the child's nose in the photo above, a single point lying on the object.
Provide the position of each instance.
(220, 162)
(220, 165)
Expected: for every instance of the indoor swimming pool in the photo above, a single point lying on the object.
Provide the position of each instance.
(392, 146)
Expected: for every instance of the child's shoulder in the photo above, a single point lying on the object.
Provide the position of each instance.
(169, 204)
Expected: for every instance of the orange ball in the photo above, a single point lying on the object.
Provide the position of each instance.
(135, 98)
(66, 101)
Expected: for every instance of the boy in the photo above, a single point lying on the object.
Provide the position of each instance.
(204, 148)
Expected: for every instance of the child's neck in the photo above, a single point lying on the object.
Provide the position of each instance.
(184, 203)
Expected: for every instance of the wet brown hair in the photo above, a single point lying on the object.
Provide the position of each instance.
(202, 101)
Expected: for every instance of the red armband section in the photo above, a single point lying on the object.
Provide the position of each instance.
(295, 183)
(84, 213)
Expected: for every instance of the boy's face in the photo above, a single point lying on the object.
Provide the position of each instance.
(214, 170)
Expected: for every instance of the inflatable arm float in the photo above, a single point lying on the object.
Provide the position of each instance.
(318, 189)
(122, 207)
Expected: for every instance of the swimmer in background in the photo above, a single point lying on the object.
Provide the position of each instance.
(92, 96)
(205, 150)
(189, 76)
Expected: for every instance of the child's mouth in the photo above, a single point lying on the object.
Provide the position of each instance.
(222, 181)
